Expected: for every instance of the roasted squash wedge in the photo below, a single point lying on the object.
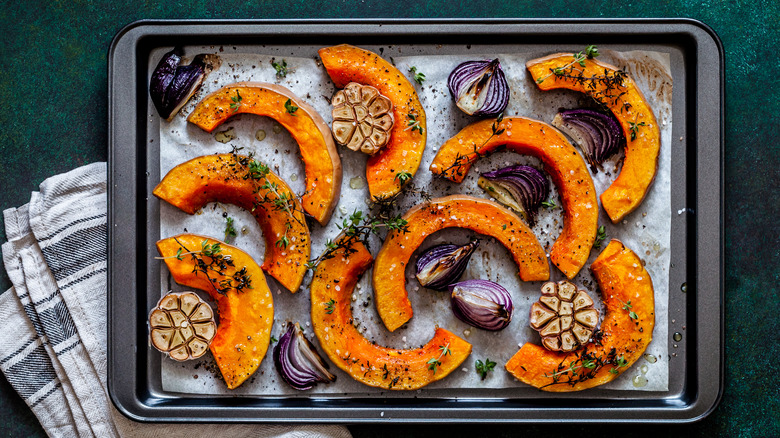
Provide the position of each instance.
(227, 178)
(626, 101)
(245, 303)
(561, 161)
(478, 214)
(404, 150)
(331, 291)
(320, 157)
(623, 280)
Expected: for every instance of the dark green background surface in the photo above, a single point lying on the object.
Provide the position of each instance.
(53, 98)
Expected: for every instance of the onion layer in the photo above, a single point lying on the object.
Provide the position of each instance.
(598, 135)
(481, 303)
(441, 265)
(479, 87)
(298, 362)
(521, 188)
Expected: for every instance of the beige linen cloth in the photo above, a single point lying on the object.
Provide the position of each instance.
(53, 319)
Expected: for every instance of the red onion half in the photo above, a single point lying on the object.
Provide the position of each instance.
(172, 85)
(441, 265)
(598, 135)
(521, 188)
(298, 362)
(479, 87)
(481, 303)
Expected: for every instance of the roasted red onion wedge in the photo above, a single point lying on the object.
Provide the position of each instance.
(598, 135)
(298, 362)
(172, 84)
(479, 87)
(521, 188)
(481, 303)
(441, 265)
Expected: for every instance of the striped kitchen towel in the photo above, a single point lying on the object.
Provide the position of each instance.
(53, 319)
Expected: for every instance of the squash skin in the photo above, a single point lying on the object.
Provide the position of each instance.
(478, 214)
(215, 178)
(365, 362)
(641, 155)
(318, 151)
(621, 277)
(403, 153)
(561, 161)
(245, 317)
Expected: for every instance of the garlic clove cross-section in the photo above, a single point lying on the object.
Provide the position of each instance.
(564, 316)
(182, 326)
(362, 118)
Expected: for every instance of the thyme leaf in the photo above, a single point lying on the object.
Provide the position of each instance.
(330, 306)
(281, 68)
(601, 235)
(290, 108)
(230, 231)
(236, 101)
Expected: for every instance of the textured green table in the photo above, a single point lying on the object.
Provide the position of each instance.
(53, 96)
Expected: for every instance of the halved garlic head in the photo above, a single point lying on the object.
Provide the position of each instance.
(564, 316)
(362, 118)
(182, 325)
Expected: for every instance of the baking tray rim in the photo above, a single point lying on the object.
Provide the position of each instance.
(708, 232)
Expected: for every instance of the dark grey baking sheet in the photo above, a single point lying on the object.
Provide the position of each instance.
(696, 368)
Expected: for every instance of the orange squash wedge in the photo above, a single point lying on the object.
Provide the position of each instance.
(623, 280)
(245, 315)
(331, 292)
(561, 161)
(226, 178)
(629, 106)
(404, 150)
(462, 211)
(320, 157)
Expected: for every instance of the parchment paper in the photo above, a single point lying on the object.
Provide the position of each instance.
(646, 231)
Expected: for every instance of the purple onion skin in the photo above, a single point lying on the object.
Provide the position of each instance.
(527, 185)
(481, 77)
(451, 259)
(172, 84)
(603, 134)
(481, 303)
(292, 365)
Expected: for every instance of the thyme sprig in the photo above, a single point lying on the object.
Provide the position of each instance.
(549, 204)
(330, 306)
(217, 263)
(613, 83)
(290, 108)
(268, 192)
(281, 68)
(230, 230)
(417, 76)
(358, 228)
(584, 367)
(601, 236)
(627, 307)
(464, 160)
(633, 127)
(412, 123)
(483, 368)
(434, 363)
(236, 101)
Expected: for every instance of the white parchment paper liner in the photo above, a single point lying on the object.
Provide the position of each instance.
(646, 231)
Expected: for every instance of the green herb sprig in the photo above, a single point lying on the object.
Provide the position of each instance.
(281, 68)
(290, 108)
(417, 76)
(236, 101)
(230, 231)
(434, 363)
(464, 160)
(601, 236)
(483, 368)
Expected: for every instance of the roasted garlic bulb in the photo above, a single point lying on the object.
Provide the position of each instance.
(362, 118)
(182, 325)
(564, 316)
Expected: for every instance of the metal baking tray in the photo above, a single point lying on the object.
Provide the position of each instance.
(696, 370)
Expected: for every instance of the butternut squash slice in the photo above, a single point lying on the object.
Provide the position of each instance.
(404, 150)
(227, 178)
(246, 313)
(561, 161)
(628, 104)
(331, 292)
(320, 157)
(478, 214)
(623, 281)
